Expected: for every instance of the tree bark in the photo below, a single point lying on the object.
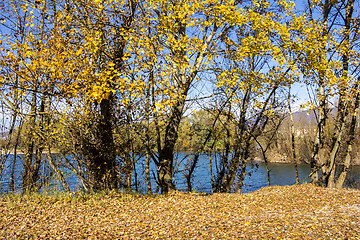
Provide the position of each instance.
(340, 181)
(343, 108)
(28, 175)
(166, 155)
(55, 167)
(147, 173)
(322, 111)
(101, 157)
(292, 136)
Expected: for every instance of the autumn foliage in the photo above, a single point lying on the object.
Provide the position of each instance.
(107, 84)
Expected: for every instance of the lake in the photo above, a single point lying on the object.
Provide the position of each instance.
(256, 178)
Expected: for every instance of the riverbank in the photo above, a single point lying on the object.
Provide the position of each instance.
(280, 158)
(290, 212)
(23, 152)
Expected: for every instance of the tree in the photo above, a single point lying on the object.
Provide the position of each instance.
(27, 60)
(329, 69)
(261, 63)
(184, 38)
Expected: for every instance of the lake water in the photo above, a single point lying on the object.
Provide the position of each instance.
(256, 178)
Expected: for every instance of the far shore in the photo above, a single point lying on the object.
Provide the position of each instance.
(284, 160)
(24, 151)
(354, 162)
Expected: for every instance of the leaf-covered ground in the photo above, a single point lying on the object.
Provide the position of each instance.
(291, 212)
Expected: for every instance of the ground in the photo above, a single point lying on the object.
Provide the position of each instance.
(290, 212)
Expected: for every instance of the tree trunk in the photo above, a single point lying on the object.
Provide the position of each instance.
(329, 169)
(128, 170)
(5, 149)
(55, 167)
(27, 182)
(147, 172)
(41, 141)
(149, 92)
(263, 152)
(292, 136)
(101, 158)
(348, 18)
(340, 181)
(319, 140)
(211, 171)
(165, 171)
(182, 83)
(243, 171)
(220, 179)
(343, 105)
(322, 111)
(166, 155)
(182, 78)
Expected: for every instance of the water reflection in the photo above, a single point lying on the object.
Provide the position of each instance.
(281, 174)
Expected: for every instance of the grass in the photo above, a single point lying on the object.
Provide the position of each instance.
(290, 212)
